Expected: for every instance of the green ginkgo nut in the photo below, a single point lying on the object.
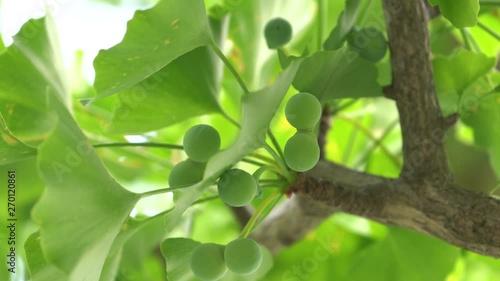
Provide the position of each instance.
(207, 262)
(243, 256)
(369, 43)
(277, 32)
(185, 173)
(201, 142)
(237, 188)
(303, 111)
(302, 152)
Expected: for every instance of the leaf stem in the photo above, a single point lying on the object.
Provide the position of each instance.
(281, 164)
(230, 67)
(148, 219)
(230, 119)
(473, 41)
(276, 144)
(467, 43)
(159, 191)
(344, 106)
(262, 157)
(322, 9)
(489, 3)
(495, 188)
(489, 30)
(368, 134)
(169, 146)
(145, 144)
(272, 183)
(377, 143)
(258, 173)
(203, 200)
(266, 185)
(256, 163)
(250, 225)
(367, 10)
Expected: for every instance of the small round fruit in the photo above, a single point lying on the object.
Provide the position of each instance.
(277, 32)
(201, 142)
(185, 173)
(237, 188)
(303, 111)
(207, 262)
(369, 43)
(302, 152)
(243, 256)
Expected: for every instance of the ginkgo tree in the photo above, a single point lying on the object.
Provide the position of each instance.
(270, 147)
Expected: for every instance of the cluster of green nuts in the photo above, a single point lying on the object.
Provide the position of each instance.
(303, 112)
(200, 142)
(210, 262)
(236, 187)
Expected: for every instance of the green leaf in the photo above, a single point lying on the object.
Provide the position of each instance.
(480, 110)
(345, 22)
(284, 59)
(460, 13)
(131, 228)
(258, 111)
(479, 267)
(142, 244)
(41, 49)
(154, 38)
(11, 148)
(466, 162)
(177, 253)
(81, 201)
(337, 74)
(187, 87)
(30, 68)
(453, 75)
(2, 45)
(457, 72)
(40, 269)
(405, 255)
(326, 253)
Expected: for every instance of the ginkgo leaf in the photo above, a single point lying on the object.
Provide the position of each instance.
(30, 68)
(345, 23)
(81, 200)
(11, 148)
(337, 74)
(154, 38)
(460, 13)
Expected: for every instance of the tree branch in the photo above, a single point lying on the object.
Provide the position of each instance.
(242, 214)
(460, 217)
(424, 198)
(324, 127)
(413, 84)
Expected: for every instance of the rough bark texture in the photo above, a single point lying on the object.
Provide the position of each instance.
(425, 197)
(324, 127)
